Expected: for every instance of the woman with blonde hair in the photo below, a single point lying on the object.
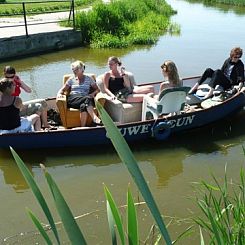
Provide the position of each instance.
(171, 76)
(82, 90)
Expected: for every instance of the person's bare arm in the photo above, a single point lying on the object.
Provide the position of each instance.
(63, 90)
(95, 90)
(18, 103)
(25, 87)
(106, 83)
(126, 82)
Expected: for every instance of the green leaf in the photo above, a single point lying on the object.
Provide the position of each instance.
(73, 231)
(39, 227)
(128, 159)
(132, 221)
(115, 213)
(36, 191)
(111, 224)
(201, 236)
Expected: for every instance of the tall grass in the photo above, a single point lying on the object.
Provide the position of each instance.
(223, 208)
(125, 22)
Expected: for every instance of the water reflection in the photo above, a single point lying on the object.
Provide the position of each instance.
(97, 57)
(169, 166)
(166, 157)
(51, 158)
(11, 174)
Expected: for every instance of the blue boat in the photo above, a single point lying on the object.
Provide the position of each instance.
(150, 125)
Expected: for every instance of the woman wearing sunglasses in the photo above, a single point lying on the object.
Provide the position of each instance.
(29, 107)
(9, 72)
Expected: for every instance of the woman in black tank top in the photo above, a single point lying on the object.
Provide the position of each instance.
(10, 117)
(11, 121)
(9, 114)
(115, 79)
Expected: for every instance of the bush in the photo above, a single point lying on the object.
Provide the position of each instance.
(123, 23)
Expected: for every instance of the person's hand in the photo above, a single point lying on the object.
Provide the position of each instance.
(121, 70)
(60, 95)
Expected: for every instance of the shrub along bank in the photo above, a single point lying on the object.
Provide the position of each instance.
(228, 2)
(125, 22)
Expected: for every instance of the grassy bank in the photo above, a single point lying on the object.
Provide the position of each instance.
(227, 2)
(125, 22)
(13, 9)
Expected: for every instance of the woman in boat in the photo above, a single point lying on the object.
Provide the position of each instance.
(171, 76)
(10, 106)
(117, 83)
(79, 87)
(230, 74)
(29, 107)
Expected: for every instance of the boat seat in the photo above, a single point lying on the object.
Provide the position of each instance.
(118, 111)
(70, 117)
(170, 100)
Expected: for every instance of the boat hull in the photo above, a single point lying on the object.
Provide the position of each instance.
(137, 131)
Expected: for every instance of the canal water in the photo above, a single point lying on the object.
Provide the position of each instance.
(171, 168)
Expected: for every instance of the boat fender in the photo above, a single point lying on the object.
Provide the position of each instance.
(162, 130)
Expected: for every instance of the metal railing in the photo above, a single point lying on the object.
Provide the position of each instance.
(25, 13)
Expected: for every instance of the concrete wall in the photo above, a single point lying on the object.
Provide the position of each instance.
(22, 46)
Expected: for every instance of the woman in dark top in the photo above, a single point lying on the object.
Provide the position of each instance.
(230, 74)
(117, 79)
(10, 106)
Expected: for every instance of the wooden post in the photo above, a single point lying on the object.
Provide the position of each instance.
(73, 14)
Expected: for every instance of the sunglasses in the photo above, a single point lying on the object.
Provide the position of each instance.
(163, 66)
(10, 76)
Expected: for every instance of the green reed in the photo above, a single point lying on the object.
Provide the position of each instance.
(223, 208)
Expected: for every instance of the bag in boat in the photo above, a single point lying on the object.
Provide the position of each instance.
(54, 117)
(193, 99)
(123, 94)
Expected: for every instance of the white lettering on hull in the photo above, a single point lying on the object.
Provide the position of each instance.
(139, 129)
(182, 121)
(145, 128)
